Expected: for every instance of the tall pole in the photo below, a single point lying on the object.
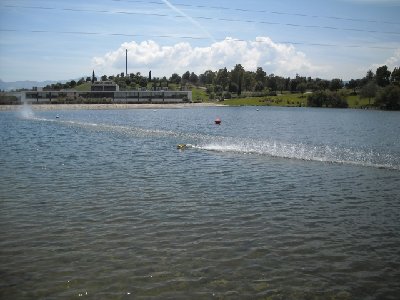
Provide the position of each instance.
(126, 62)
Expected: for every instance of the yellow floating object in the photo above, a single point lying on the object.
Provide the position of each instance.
(181, 146)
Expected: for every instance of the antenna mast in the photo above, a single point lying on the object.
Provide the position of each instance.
(126, 62)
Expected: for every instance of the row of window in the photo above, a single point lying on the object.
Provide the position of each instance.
(109, 94)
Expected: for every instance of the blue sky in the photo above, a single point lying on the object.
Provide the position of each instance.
(63, 40)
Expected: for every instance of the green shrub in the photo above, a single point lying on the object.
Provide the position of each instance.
(227, 95)
(389, 98)
(8, 99)
(327, 99)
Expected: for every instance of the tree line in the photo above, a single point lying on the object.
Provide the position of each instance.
(381, 85)
(237, 80)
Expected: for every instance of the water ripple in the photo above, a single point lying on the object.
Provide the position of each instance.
(104, 208)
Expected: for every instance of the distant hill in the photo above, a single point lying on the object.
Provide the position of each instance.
(8, 86)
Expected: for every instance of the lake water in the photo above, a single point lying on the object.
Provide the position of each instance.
(274, 203)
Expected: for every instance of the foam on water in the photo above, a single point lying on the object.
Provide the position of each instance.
(271, 148)
(26, 111)
(321, 153)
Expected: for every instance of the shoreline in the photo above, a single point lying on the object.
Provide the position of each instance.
(106, 106)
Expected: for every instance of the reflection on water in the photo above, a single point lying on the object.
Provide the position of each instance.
(101, 204)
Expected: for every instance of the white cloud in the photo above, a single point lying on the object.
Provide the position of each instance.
(280, 59)
(392, 62)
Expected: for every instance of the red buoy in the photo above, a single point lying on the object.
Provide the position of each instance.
(217, 121)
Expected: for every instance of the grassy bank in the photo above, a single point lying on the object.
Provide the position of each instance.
(279, 100)
(285, 99)
(199, 95)
(290, 100)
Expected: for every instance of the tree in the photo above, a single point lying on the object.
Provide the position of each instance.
(335, 84)
(338, 100)
(395, 77)
(193, 78)
(93, 77)
(280, 83)
(233, 87)
(208, 77)
(143, 81)
(259, 86)
(287, 84)
(122, 84)
(218, 89)
(260, 75)
(316, 99)
(321, 84)
(236, 73)
(370, 75)
(249, 80)
(271, 82)
(302, 87)
(164, 81)
(389, 98)
(186, 77)
(222, 78)
(293, 85)
(328, 99)
(352, 84)
(382, 76)
(175, 78)
(104, 78)
(239, 92)
(369, 91)
(237, 77)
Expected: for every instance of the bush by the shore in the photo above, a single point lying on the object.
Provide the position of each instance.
(8, 99)
(389, 98)
(327, 99)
